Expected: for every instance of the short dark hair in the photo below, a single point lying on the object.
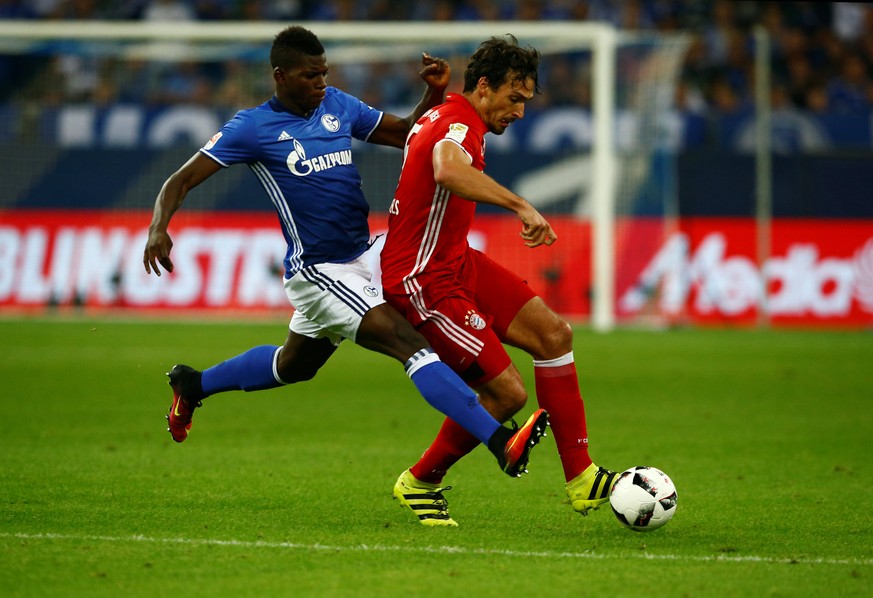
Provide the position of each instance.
(501, 59)
(291, 44)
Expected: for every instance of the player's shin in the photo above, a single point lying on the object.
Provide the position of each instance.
(557, 388)
(252, 370)
(447, 393)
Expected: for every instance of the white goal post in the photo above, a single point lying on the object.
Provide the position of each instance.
(165, 41)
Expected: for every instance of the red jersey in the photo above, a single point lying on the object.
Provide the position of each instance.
(428, 225)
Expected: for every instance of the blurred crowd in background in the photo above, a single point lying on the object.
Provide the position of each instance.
(822, 52)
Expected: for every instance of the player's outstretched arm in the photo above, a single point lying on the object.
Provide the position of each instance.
(453, 171)
(393, 130)
(172, 194)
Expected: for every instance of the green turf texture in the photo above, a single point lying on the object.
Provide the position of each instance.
(287, 492)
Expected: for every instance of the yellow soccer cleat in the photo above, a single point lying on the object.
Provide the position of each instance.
(590, 489)
(426, 500)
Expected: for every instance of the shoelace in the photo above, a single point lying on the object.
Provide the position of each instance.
(440, 501)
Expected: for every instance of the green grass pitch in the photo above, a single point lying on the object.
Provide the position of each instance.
(287, 492)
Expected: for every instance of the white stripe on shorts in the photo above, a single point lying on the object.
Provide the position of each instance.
(337, 287)
(331, 299)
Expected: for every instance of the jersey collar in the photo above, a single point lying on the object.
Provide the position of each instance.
(278, 106)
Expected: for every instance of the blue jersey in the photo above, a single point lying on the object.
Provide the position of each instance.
(306, 168)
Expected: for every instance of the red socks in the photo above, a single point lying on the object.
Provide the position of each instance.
(558, 393)
(450, 445)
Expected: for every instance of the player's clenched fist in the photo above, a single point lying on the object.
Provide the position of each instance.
(436, 72)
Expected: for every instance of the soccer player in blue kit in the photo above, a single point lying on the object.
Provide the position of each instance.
(298, 144)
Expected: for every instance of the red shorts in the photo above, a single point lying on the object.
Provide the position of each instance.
(465, 317)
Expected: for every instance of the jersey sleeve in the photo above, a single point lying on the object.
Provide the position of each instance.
(365, 119)
(463, 135)
(235, 142)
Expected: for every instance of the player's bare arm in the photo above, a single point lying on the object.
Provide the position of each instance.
(453, 171)
(435, 73)
(172, 194)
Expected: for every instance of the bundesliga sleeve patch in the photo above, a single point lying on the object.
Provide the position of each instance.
(457, 132)
(212, 141)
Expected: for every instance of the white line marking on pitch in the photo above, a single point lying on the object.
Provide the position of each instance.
(444, 550)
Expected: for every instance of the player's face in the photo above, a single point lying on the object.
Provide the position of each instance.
(301, 87)
(500, 107)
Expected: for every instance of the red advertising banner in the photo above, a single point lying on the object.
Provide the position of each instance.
(223, 261)
(705, 270)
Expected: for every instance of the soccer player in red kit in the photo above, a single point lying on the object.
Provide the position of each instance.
(467, 305)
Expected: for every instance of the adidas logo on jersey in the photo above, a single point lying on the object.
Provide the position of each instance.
(284, 136)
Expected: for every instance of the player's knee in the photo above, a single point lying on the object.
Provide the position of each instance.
(298, 375)
(556, 340)
(290, 375)
(291, 370)
(384, 330)
(408, 339)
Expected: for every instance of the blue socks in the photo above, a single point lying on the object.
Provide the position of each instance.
(444, 390)
(252, 370)
(437, 383)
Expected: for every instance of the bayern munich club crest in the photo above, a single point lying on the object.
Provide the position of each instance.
(371, 291)
(474, 320)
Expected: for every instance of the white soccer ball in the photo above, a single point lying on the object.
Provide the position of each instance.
(643, 498)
